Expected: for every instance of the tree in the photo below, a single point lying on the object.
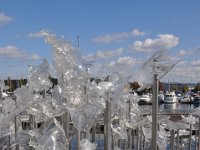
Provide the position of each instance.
(22, 82)
(175, 87)
(134, 85)
(197, 87)
(160, 85)
(10, 84)
(185, 88)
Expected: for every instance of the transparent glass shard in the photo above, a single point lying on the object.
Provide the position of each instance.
(23, 97)
(39, 77)
(7, 126)
(50, 136)
(119, 131)
(162, 141)
(84, 117)
(87, 145)
(159, 64)
(147, 132)
(189, 119)
(8, 105)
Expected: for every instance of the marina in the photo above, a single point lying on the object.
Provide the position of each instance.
(99, 75)
(85, 110)
(136, 137)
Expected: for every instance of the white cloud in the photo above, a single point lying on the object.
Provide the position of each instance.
(35, 35)
(182, 53)
(198, 49)
(16, 53)
(196, 62)
(184, 71)
(108, 38)
(123, 61)
(136, 32)
(103, 54)
(35, 57)
(164, 41)
(4, 19)
(127, 66)
(187, 52)
(182, 63)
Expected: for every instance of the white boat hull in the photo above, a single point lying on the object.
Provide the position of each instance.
(170, 98)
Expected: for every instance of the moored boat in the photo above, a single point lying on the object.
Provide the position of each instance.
(145, 99)
(170, 97)
(161, 97)
(186, 99)
(196, 100)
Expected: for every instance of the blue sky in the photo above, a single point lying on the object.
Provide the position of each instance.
(129, 30)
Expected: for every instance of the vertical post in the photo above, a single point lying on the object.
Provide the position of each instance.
(99, 131)
(113, 142)
(32, 126)
(196, 146)
(177, 145)
(16, 128)
(154, 113)
(172, 140)
(93, 132)
(0, 100)
(129, 130)
(199, 135)
(138, 138)
(67, 127)
(133, 139)
(16, 140)
(190, 137)
(107, 125)
(78, 139)
(0, 93)
(65, 124)
(141, 136)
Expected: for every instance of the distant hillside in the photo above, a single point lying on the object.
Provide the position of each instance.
(177, 85)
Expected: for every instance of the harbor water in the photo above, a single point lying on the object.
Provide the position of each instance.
(123, 144)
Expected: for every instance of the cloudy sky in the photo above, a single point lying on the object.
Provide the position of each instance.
(121, 35)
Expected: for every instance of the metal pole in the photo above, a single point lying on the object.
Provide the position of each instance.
(196, 139)
(133, 139)
(67, 131)
(93, 133)
(32, 126)
(107, 125)
(129, 138)
(0, 93)
(154, 113)
(113, 142)
(78, 139)
(65, 124)
(172, 140)
(141, 136)
(16, 140)
(177, 145)
(0, 110)
(190, 138)
(16, 128)
(138, 138)
(99, 131)
(199, 135)
(129, 130)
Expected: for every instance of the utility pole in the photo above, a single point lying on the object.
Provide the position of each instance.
(155, 113)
